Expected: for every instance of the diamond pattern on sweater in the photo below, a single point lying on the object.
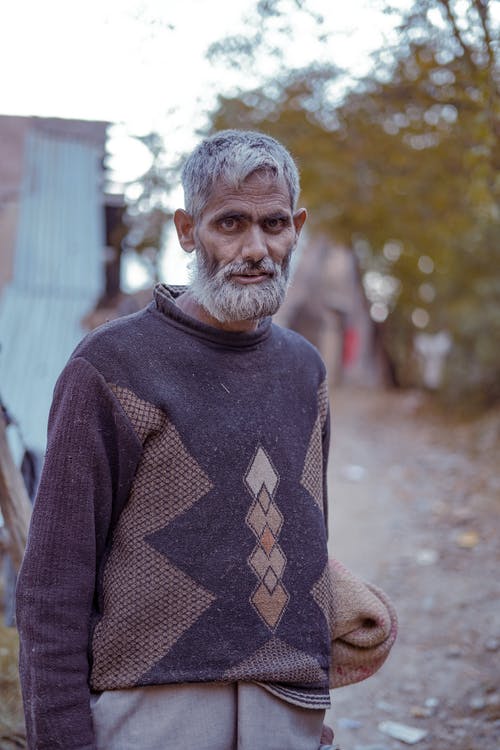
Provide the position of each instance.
(260, 562)
(323, 595)
(323, 402)
(267, 560)
(270, 606)
(258, 519)
(145, 417)
(158, 604)
(261, 473)
(278, 661)
(312, 474)
(165, 463)
(148, 603)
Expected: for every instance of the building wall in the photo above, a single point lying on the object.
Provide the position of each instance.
(13, 137)
(54, 264)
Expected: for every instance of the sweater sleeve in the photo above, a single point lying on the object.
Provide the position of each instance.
(92, 454)
(325, 446)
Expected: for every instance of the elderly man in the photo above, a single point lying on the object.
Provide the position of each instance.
(175, 589)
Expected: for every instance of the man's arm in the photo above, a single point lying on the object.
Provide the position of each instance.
(91, 457)
(324, 409)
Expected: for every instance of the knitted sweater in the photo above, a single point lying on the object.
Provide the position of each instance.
(179, 530)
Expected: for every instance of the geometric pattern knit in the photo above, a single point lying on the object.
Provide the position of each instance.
(312, 478)
(123, 648)
(179, 532)
(267, 559)
(322, 595)
(300, 667)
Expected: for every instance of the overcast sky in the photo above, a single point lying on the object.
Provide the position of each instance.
(142, 62)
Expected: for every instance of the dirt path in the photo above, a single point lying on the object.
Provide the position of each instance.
(415, 509)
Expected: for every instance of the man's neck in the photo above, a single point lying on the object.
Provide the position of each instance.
(190, 306)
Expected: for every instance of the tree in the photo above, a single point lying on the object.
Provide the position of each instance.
(405, 172)
(147, 212)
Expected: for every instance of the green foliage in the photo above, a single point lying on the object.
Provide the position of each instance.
(405, 170)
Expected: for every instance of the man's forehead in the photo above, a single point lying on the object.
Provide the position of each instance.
(259, 188)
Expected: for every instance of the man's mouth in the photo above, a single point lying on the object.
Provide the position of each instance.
(250, 277)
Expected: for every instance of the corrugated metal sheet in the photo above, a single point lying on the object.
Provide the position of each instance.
(58, 275)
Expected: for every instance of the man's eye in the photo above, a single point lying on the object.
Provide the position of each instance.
(228, 223)
(275, 223)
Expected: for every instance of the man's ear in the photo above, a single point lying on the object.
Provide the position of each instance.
(184, 225)
(299, 218)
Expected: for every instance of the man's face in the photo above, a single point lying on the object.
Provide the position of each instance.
(244, 239)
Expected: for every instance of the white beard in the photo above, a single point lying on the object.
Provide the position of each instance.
(226, 300)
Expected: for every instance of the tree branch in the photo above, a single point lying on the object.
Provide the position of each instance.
(456, 33)
(482, 9)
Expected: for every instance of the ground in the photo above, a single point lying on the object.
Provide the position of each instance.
(11, 724)
(415, 500)
(415, 503)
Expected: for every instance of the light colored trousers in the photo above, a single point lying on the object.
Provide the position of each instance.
(202, 716)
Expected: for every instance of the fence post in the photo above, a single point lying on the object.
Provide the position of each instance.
(14, 501)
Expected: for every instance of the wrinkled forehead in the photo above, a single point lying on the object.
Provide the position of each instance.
(262, 184)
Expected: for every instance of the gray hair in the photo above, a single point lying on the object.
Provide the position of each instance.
(231, 156)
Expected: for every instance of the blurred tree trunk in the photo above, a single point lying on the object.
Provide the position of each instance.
(14, 501)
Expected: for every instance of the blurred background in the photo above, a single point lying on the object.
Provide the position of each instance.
(392, 111)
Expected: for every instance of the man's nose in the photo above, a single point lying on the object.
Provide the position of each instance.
(254, 244)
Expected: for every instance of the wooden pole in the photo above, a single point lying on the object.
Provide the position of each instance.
(14, 501)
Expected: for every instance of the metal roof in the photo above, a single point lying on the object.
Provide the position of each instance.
(58, 274)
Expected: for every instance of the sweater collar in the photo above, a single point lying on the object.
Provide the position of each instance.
(164, 300)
